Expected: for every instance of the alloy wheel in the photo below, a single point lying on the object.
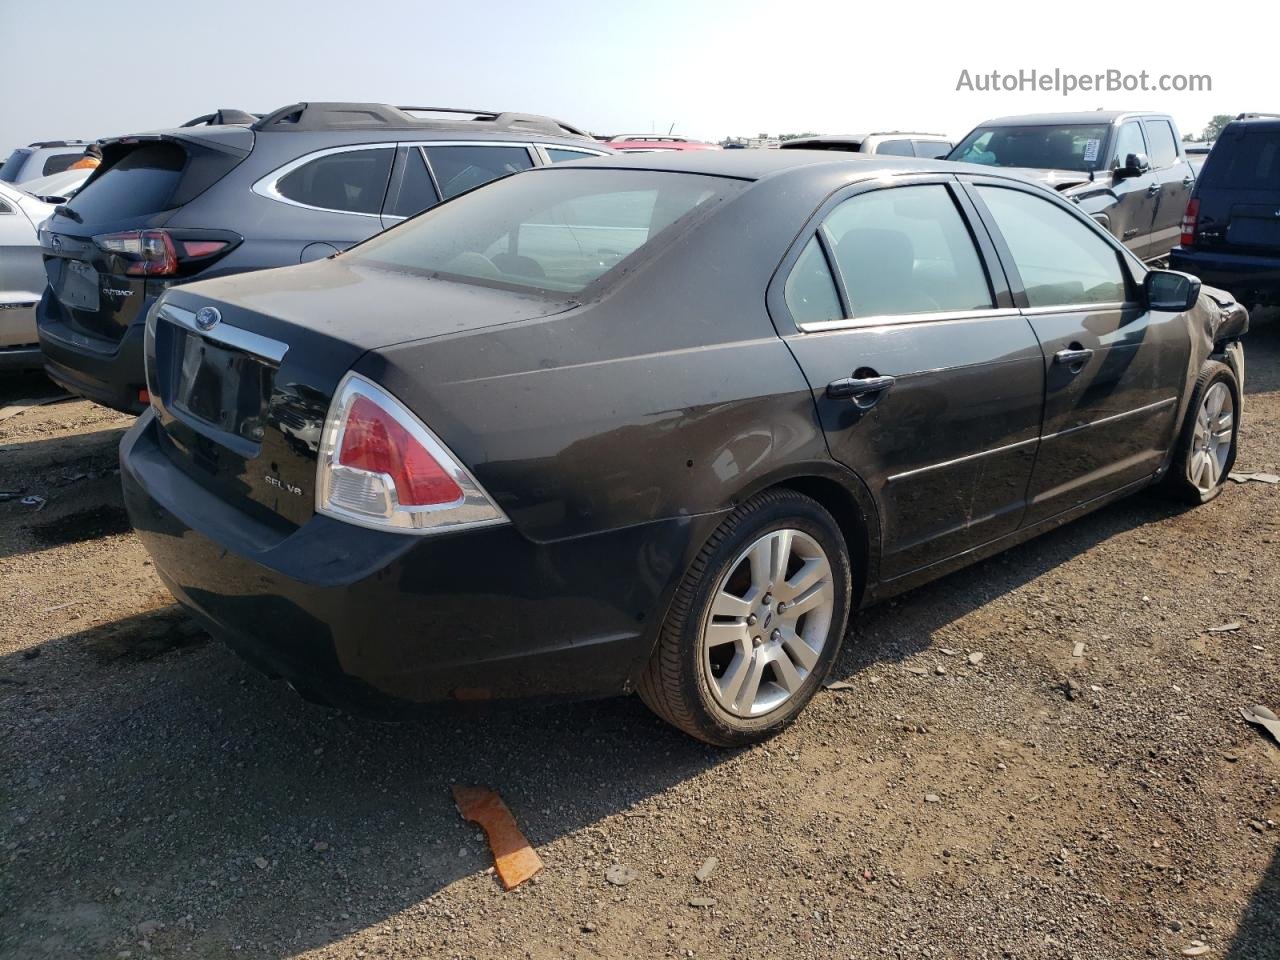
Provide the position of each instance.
(768, 623)
(1211, 440)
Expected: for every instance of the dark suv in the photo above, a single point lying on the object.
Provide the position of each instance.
(230, 193)
(1231, 231)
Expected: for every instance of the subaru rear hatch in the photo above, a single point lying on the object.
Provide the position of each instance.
(108, 250)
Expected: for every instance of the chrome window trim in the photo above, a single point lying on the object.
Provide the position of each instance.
(268, 186)
(891, 319)
(235, 337)
(1078, 307)
(1150, 407)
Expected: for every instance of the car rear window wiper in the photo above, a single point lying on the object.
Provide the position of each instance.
(66, 211)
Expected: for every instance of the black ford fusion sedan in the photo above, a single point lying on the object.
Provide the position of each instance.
(658, 423)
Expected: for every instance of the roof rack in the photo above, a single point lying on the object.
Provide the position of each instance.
(59, 143)
(1256, 116)
(329, 116)
(222, 117)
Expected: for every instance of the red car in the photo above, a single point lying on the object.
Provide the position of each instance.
(652, 143)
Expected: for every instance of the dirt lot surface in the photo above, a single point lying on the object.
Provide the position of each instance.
(159, 798)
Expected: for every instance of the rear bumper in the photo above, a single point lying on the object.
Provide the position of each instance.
(1247, 277)
(372, 621)
(107, 373)
(20, 358)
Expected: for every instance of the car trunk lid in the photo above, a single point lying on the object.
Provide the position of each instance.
(242, 397)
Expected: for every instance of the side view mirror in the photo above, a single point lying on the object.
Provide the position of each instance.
(1135, 165)
(1170, 291)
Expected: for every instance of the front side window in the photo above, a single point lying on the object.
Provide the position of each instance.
(1038, 146)
(460, 168)
(905, 250)
(1164, 147)
(1128, 141)
(896, 148)
(559, 229)
(810, 290)
(352, 181)
(1061, 260)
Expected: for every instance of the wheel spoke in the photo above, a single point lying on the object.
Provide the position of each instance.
(750, 685)
(803, 654)
(781, 556)
(817, 595)
(727, 605)
(814, 571)
(731, 683)
(787, 673)
(761, 561)
(1214, 402)
(1214, 467)
(718, 634)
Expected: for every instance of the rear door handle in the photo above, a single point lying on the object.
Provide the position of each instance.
(863, 389)
(1070, 358)
(1153, 190)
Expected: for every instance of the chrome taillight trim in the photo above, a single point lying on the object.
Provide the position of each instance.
(475, 508)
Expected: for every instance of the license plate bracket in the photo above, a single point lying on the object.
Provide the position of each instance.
(79, 286)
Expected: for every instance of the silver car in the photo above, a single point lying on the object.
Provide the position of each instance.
(22, 276)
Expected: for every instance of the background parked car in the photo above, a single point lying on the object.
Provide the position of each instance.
(654, 143)
(542, 471)
(56, 187)
(1197, 151)
(213, 198)
(41, 159)
(22, 277)
(1231, 231)
(930, 146)
(1126, 170)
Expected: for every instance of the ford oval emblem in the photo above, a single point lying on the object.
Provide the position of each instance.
(207, 318)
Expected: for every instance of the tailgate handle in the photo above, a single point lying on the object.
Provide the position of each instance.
(860, 388)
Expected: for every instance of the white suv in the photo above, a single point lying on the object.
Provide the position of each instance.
(930, 146)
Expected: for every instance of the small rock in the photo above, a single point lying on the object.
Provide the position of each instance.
(1078, 649)
(940, 670)
(588, 928)
(261, 863)
(932, 798)
(839, 685)
(149, 928)
(620, 875)
(949, 652)
(918, 671)
(30, 653)
(976, 658)
(1196, 949)
(708, 867)
(702, 902)
(1072, 690)
(319, 846)
(1224, 628)
(1258, 825)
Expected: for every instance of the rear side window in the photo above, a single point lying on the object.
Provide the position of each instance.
(896, 148)
(13, 166)
(906, 250)
(141, 183)
(353, 181)
(417, 192)
(810, 291)
(1060, 259)
(557, 230)
(931, 149)
(460, 168)
(1164, 146)
(1248, 162)
(4, 207)
(556, 155)
(58, 162)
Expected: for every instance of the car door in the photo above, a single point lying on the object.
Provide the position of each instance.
(1130, 216)
(1174, 180)
(1113, 370)
(927, 380)
(22, 276)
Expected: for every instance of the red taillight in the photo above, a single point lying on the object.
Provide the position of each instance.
(1189, 220)
(145, 253)
(372, 440)
(202, 248)
(381, 467)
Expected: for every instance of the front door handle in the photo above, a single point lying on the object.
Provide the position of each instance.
(1076, 355)
(866, 390)
(1188, 181)
(1153, 190)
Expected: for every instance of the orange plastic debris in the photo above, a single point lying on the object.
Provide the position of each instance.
(513, 858)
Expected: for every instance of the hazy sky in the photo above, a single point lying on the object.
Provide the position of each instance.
(88, 69)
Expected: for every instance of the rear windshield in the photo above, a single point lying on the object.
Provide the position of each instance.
(559, 229)
(1043, 147)
(142, 183)
(13, 166)
(1250, 162)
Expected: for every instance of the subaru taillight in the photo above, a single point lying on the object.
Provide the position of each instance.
(1189, 220)
(161, 253)
(382, 467)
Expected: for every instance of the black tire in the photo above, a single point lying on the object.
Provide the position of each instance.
(675, 684)
(1178, 483)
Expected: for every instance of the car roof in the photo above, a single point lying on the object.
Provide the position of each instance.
(1077, 117)
(763, 164)
(1256, 120)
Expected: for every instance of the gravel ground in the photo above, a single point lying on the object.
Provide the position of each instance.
(159, 798)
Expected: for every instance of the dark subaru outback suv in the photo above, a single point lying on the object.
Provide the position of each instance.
(1231, 231)
(230, 193)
